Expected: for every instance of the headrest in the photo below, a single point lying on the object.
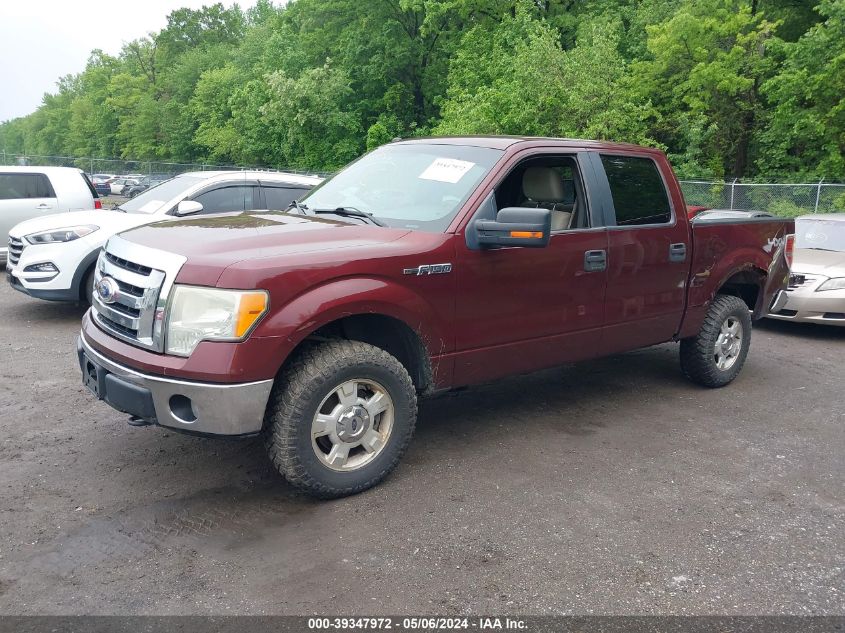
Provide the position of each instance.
(542, 184)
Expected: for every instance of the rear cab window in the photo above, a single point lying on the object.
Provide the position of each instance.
(23, 186)
(638, 191)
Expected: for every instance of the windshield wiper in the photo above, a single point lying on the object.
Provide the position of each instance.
(351, 212)
(119, 208)
(296, 204)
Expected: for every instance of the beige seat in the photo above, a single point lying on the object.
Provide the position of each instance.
(543, 188)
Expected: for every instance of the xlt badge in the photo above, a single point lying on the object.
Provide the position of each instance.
(429, 269)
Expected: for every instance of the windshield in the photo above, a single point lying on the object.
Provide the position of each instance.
(826, 235)
(413, 186)
(153, 198)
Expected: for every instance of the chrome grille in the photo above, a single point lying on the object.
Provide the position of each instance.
(16, 247)
(136, 313)
(127, 265)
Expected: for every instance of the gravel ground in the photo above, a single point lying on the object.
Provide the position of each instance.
(611, 487)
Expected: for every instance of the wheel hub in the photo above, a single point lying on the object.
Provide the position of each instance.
(728, 344)
(353, 423)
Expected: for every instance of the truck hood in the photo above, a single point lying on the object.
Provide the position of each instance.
(812, 261)
(109, 221)
(213, 243)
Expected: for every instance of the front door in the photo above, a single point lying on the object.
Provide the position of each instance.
(520, 309)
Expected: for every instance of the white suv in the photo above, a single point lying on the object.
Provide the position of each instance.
(53, 257)
(31, 192)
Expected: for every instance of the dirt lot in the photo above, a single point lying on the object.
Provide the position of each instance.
(610, 487)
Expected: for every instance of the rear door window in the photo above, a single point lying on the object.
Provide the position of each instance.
(21, 186)
(90, 186)
(639, 195)
(278, 198)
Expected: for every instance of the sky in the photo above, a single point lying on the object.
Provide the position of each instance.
(42, 40)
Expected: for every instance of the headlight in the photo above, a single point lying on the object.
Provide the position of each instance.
(837, 283)
(211, 314)
(61, 235)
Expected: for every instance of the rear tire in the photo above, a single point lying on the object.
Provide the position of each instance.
(340, 418)
(715, 356)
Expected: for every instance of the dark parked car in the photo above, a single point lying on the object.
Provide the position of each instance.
(102, 188)
(145, 183)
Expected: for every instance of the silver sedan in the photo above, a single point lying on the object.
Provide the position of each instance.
(816, 291)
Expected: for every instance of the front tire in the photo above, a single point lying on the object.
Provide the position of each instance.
(88, 287)
(340, 418)
(715, 356)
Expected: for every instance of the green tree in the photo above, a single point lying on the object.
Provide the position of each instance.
(728, 87)
(518, 80)
(805, 131)
(312, 117)
(704, 73)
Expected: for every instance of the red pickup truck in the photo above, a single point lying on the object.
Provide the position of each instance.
(426, 265)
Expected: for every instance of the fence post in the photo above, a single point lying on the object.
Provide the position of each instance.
(818, 194)
(733, 184)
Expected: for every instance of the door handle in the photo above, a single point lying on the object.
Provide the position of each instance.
(44, 206)
(677, 252)
(595, 261)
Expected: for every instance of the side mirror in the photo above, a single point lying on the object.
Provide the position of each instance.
(516, 226)
(187, 207)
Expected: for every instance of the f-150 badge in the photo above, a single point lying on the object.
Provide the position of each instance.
(429, 269)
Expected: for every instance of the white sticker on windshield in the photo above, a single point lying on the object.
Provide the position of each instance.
(446, 170)
(151, 206)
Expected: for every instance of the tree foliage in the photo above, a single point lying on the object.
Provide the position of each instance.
(733, 88)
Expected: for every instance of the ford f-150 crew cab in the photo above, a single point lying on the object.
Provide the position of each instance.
(426, 265)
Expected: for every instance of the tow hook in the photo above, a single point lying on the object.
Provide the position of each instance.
(136, 421)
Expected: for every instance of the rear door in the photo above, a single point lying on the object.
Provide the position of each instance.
(648, 253)
(24, 196)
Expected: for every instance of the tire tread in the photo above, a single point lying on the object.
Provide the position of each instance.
(287, 409)
(697, 351)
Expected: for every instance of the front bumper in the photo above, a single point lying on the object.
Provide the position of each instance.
(807, 306)
(70, 294)
(71, 260)
(196, 407)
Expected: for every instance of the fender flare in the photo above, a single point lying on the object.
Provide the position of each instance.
(320, 305)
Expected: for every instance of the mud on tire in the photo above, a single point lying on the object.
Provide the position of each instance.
(302, 390)
(699, 359)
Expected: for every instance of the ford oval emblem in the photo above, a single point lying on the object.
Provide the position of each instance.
(107, 290)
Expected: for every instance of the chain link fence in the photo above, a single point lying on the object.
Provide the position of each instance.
(119, 167)
(788, 200)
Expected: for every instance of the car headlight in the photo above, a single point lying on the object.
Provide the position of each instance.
(211, 314)
(61, 235)
(837, 283)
